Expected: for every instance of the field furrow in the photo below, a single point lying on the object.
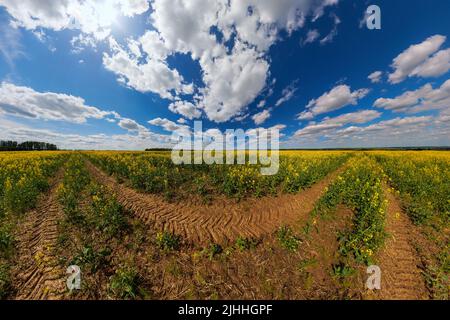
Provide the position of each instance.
(400, 263)
(37, 273)
(220, 222)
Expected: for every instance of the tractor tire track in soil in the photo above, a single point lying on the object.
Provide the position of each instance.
(401, 266)
(37, 273)
(224, 220)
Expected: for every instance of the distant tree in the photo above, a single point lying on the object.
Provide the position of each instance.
(26, 146)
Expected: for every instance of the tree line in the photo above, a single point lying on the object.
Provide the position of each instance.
(26, 146)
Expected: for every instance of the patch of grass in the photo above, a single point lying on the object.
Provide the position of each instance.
(124, 284)
(168, 241)
(287, 238)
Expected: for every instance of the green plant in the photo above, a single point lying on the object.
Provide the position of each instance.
(342, 270)
(243, 244)
(168, 241)
(359, 187)
(91, 258)
(108, 215)
(287, 238)
(6, 239)
(212, 250)
(124, 284)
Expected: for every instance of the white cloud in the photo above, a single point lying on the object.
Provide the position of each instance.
(18, 132)
(129, 124)
(287, 94)
(337, 98)
(82, 41)
(233, 78)
(232, 82)
(186, 109)
(90, 17)
(333, 33)
(311, 36)
(422, 99)
(415, 61)
(10, 45)
(150, 76)
(375, 77)
(328, 124)
(400, 131)
(168, 125)
(261, 117)
(435, 66)
(28, 103)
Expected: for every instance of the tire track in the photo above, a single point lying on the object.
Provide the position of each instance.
(401, 266)
(222, 221)
(37, 273)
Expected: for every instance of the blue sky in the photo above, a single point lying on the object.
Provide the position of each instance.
(124, 74)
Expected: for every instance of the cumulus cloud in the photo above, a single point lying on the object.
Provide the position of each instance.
(90, 17)
(400, 131)
(261, 117)
(328, 124)
(129, 124)
(232, 76)
(417, 60)
(186, 109)
(25, 102)
(234, 69)
(375, 77)
(337, 98)
(435, 66)
(422, 99)
(171, 126)
(152, 75)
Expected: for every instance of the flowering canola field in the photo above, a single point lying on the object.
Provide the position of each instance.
(108, 239)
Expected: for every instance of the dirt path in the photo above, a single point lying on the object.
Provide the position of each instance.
(401, 269)
(37, 274)
(224, 220)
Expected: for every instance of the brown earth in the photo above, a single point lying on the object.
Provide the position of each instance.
(37, 274)
(401, 266)
(222, 221)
